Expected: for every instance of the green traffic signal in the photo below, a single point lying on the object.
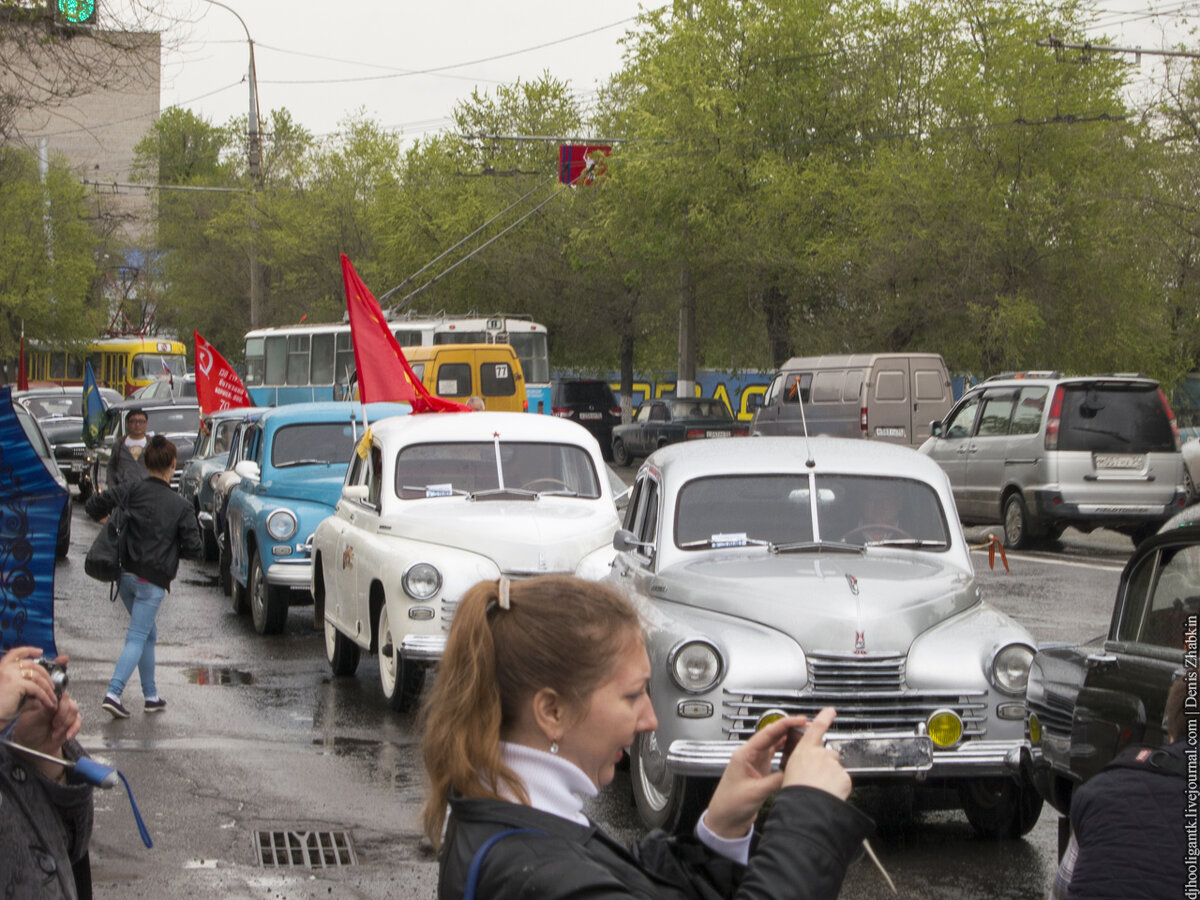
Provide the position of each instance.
(77, 12)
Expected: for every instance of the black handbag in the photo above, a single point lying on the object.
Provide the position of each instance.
(106, 557)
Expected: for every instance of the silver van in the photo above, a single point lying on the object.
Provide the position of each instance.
(1042, 451)
(882, 396)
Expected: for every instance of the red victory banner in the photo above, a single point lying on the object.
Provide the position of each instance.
(217, 384)
(383, 372)
(581, 163)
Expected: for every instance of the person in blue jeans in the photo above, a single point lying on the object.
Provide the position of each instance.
(161, 527)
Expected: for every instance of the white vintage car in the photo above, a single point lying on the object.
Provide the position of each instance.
(779, 575)
(441, 502)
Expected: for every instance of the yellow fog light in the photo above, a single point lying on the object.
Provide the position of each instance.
(771, 715)
(1035, 729)
(945, 728)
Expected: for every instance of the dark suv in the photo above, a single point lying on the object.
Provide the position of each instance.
(591, 403)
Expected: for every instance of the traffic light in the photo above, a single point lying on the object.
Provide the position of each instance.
(76, 12)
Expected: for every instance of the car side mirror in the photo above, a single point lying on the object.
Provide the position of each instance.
(935, 428)
(355, 491)
(624, 541)
(248, 469)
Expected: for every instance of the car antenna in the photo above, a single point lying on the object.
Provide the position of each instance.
(810, 462)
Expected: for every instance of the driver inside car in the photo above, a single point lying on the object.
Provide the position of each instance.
(880, 517)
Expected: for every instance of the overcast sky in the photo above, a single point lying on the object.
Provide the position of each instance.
(326, 61)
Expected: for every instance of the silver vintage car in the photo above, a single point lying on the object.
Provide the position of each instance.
(780, 575)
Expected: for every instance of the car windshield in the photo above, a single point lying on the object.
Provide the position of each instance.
(174, 420)
(49, 407)
(443, 469)
(313, 444)
(1114, 418)
(854, 510)
(700, 409)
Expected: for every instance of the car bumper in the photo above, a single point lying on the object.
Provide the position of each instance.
(427, 648)
(970, 759)
(1050, 506)
(291, 573)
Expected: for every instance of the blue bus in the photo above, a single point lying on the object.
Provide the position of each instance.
(302, 363)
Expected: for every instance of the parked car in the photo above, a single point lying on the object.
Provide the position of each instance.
(591, 403)
(881, 396)
(441, 503)
(1086, 702)
(59, 412)
(294, 459)
(1043, 451)
(168, 387)
(176, 421)
(212, 442)
(222, 484)
(41, 447)
(782, 576)
(662, 422)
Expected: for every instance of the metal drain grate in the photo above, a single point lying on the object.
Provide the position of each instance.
(308, 849)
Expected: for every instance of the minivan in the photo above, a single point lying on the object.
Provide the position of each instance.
(1041, 451)
(456, 371)
(881, 396)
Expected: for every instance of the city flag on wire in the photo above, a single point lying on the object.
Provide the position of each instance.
(383, 372)
(94, 411)
(217, 384)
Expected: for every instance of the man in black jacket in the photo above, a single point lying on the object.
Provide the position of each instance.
(127, 463)
(161, 527)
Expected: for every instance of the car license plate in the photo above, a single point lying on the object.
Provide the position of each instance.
(717, 434)
(898, 753)
(1119, 460)
(591, 415)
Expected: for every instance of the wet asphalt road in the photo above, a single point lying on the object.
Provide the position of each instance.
(259, 742)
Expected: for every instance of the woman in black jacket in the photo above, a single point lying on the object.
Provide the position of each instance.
(161, 527)
(542, 686)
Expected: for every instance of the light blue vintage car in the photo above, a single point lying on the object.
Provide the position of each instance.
(292, 468)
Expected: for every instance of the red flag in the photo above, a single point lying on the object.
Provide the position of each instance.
(383, 372)
(217, 384)
(22, 378)
(581, 163)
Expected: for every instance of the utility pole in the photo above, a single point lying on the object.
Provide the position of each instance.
(255, 167)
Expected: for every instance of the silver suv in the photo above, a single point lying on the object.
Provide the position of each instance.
(1041, 451)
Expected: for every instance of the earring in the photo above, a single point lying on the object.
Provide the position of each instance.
(554, 747)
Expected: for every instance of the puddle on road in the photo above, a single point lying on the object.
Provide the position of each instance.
(224, 675)
(396, 763)
(209, 581)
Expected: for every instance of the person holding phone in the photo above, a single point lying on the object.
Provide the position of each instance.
(542, 687)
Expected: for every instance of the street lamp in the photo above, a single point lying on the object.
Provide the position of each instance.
(255, 165)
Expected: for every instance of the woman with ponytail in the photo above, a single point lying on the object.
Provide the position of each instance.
(541, 688)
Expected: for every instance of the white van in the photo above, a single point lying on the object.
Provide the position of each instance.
(881, 396)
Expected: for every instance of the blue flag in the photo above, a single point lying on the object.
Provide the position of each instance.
(95, 413)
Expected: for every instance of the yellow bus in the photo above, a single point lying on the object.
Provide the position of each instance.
(121, 363)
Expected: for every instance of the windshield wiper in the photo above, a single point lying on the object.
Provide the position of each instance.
(807, 546)
(917, 543)
(502, 492)
(303, 462)
(561, 492)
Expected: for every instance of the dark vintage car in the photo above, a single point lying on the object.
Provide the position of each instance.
(59, 412)
(211, 453)
(1086, 702)
(670, 421)
(177, 421)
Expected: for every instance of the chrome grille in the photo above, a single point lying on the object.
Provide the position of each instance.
(868, 692)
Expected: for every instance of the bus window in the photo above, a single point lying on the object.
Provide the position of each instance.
(297, 359)
(530, 348)
(321, 368)
(254, 361)
(460, 337)
(406, 338)
(344, 360)
(58, 366)
(275, 354)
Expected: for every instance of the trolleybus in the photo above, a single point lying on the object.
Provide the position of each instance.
(123, 363)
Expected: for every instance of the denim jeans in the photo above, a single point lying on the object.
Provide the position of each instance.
(142, 599)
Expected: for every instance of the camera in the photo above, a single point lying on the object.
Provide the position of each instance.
(57, 673)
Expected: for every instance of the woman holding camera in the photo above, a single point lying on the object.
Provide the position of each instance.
(542, 686)
(45, 823)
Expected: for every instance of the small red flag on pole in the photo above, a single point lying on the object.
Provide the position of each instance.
(383, 372)
(22, 377)
(217, 384)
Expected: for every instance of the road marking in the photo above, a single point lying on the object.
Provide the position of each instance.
(1054, 561)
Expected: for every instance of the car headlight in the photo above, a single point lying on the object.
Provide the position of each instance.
(696, 666)
(1010, 668)
(422, 580)
(281, 524)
